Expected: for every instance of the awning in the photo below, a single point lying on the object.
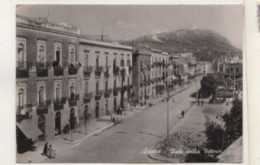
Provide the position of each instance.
(29, 130)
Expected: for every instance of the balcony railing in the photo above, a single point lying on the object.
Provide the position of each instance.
(87, 71)
(42, 107)
(58, 71)
(107, 93)
(106, 73)
(22, 69)
(73, 100)
(87, 97)
(72, 70)
(116, 70)
(59, 103)
(23, 112)
(98, 95)
(115, 91)
(98, 70)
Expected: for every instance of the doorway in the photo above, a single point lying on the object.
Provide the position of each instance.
(57, 123)
(41, 126)
(72, 119)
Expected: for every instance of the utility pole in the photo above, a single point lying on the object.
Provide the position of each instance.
(168, 97)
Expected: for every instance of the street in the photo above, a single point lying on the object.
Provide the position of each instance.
(127, 141)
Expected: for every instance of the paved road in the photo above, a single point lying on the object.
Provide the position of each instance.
(126, 142)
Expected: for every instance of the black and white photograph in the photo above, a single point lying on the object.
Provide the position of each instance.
(129, 83)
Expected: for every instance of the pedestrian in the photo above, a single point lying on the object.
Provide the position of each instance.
(118, 110)
(202, 102)
(182, 114)
(50, 152)
(198, 102)
(227, 103)
(45, 149)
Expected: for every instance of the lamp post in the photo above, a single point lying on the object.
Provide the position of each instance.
(71, 137)
(167, 100)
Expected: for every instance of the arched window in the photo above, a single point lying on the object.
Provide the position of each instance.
(86, 60)
(97, 61)
(58, 95)
(97, 87)
(106, 60)
(114, 83)
(41, 94)
(122, 62)
(57, 53)
(20, 55)
(72, 91)
(41, 54)
(21, 97)
(72, 56)
(106, 84)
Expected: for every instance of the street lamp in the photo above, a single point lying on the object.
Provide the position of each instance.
(167, 100)
(71, 137)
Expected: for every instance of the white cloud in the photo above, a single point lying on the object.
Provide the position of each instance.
(124, 24)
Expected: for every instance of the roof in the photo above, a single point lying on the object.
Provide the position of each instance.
(83, 41)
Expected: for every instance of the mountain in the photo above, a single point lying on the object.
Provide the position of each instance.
(204, 44)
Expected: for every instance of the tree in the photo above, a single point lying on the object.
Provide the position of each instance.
(215, 136)
(209, 86)
(233, 121)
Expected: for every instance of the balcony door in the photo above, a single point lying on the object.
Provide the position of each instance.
(72, 119)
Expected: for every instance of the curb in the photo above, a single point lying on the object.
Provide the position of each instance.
(88, 135)
(162, 158)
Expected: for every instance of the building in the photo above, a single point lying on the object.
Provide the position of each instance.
(47, 78)
(106, 77)
(63, 79)
(141, 75)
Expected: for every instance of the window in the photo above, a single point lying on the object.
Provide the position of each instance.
(97, 87)
(86, 60)
(106, 60)
(21, 97)
(122, 62)
(58, 53)
(114, 62)
(58, 91)
(86, 87)
(72, 91)
(21, 52)
(41, 56)
(41, 94)
(20, 56)
(97, 61)
(114, 83)
(106, 84)
(141, 64)
(72, 56)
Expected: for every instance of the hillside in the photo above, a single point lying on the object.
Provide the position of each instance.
(205, 44)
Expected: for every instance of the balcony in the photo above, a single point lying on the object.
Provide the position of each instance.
(22, 69)
(87, 71)
(23, 112)
(42, 69)
(107, 93)
(115, 91)
(73, 100)
(98, 95)
(22, 73)
(42, 107)
(98, 71)
(116, 70)
(72, 69)
(58, 71)
(59, 103)
(106, 73)
(87, 97)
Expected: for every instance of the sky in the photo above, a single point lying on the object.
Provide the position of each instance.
(126, 22)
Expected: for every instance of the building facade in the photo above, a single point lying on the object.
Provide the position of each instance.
(141, 75)
(106, 77)
(47, 77)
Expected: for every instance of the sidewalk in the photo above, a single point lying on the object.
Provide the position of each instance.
(64, 142)
(193, 124)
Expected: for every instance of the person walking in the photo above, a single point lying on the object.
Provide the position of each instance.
(45, 148)
(182, 114)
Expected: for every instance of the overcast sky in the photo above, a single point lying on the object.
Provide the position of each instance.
(132, 21)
